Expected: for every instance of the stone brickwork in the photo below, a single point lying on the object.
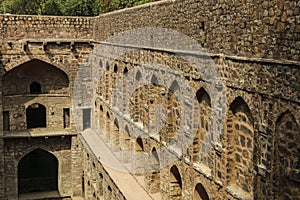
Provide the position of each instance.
(141, 106)
(96, 180)
(15, 149)
(37, 74)
(17, 27)
(240, 167)
(255, 29)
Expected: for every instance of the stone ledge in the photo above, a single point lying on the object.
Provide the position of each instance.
(238, 193)
(39, 132)
(205, 54)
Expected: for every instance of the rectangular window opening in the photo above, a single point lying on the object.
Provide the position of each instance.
(6, 121)
(66, 115)
(86, 118)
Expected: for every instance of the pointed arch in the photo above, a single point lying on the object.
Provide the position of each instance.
(37, 171)
(287, 161)
(202, 143)
(139, 144)
(173, 114)
(115, 138)
(101, 118)
(240, 138)
(154, 157)
(153, 178)
(239, 105)
(31, 75)
(154, 80)
(174, 86)
(138, 75)
(127, 138)
(115, 68)
(203, 96)
(100, 63)
(107, 126)
(200, 193)
(175, 183)
(107, 65)
(125, 71)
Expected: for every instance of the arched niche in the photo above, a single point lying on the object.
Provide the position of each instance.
(200, 193)
(240, 138)
(38, 172)
(175, 183)
(203, 142)
(287, 160)
(35, 77)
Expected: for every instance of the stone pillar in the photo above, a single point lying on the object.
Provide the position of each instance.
(77, 167)
(2, 184)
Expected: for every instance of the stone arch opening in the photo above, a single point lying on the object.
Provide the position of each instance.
(100, 64)
(36, 116)
(154, 174)
(107, 83)
(125, 71)
(202, 141)
(107, 127)
(38, 172)
(155, 158)
(138, 76)
(35, 88)
(126, 138)
(203, 96)
(116, 141)
(173, 116)
(175, 183)
(154, 80)
(101, 118)
(200, 193)
(287, 161)
(31, 75)
(240, 137)
(125, 145)
(174, 86)
(139, 144)
(115, 68)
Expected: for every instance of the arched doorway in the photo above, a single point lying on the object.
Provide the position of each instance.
(38, 172)
(154, 174)
(36, 116)
(200, 193)
(175, 186)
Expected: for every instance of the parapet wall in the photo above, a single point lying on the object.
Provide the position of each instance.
(16, 27)
(253, 29)
(260, 29)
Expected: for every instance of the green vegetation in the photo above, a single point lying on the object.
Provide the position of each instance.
(66, 7)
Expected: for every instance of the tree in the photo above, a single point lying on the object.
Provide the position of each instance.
(81, 7)
(65, 7)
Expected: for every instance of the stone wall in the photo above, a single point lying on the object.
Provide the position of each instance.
(2, 171)
(255, 29)
(242, 164)
(97, 183)
(17, 27)
(242, 146)
(53, 66)
(15, 149)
